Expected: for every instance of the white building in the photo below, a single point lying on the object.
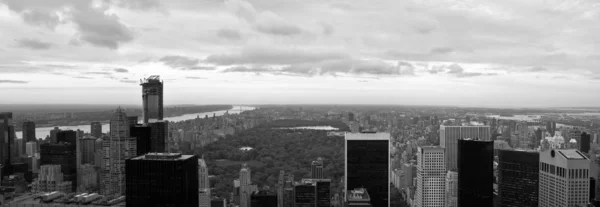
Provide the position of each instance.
(245, 183)
(564, 178)
(449, 136)
(204, 197)
(31, 148)
(452, 189)
(203, 184)
(431, 177)
(116, 148)
(51, 179)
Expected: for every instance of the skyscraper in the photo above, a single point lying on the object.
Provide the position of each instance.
(96, 129)
(28, 133)
(367, 164)
(518, 178)
(142, 137)
(264, 199)
(452, 189)
(87, 149)
(475, 172)
(431, 177)
(449, 136)
(7, 140)
(317, 168)
(53, 135)
(132, 120)
(158, 136)
(289, 195)
(117, 148)
(306, 195)
(245, 186)
(51, 179)
(322, 191)
(203, 184)
(584, 144)
(564, 178)
(31, 148)
(64, 155)
(162, 179)
(152, 97)
(280, 186)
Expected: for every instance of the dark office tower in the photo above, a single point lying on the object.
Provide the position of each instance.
(322, 191)
(367, 163)
(29, 132)
(96, 129)
(142, 137)
(263, 199)
(475, 172)
(7, 141)
(306, 195)
(152, 98)
(69, 136)
(162, 179)
(317, 169)
(518, 178)
(87, 150)
(584, 145)
(132, 120)
(158, 136)
(63, 154)
(350, 116)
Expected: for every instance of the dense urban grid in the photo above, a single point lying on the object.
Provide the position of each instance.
(304, 155)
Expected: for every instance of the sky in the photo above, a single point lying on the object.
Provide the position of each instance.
(485, 53)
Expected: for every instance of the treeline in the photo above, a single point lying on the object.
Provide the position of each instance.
(301, 123)
(274, 150)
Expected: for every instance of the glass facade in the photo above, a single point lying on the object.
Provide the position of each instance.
(475, 173)
(518, 178)
(367, 166)
(142, 138)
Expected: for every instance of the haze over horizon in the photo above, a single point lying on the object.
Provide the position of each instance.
(486, 53)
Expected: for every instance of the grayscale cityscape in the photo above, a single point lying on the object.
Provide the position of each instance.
(299, 103)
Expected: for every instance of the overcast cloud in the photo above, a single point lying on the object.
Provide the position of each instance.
(488, 53)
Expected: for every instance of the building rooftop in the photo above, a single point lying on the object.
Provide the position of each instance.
(162, 156)
(367, 136)
(62, 199)
(571, 154)
(358, 194)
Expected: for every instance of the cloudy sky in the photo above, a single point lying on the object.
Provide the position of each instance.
(489, 53)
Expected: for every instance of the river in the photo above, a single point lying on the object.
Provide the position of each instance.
(42, 132)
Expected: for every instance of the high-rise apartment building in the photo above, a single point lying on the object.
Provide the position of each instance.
(87, 150)
(117, 148)
(475, 173)
(159, 132)
(31, 148)
(203, 184)
(322, 191)
(96, 129)
(64, 155)
(518, 178)
(564, 178)
(51, 179)
(204, 197)
(452, 189)
(368, 164)
(87, 178)
(152, 97)
(431, 177)
(288, 192)
(306, 195)
(245, 183)
(449, 136)
(53, 135)
(317, 169)
(162, 179)
(280, 186)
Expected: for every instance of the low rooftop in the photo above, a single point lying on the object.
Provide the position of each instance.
(358, 194)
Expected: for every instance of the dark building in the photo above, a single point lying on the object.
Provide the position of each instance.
(69, 136)
(322, 191)
(584, 145)
(158, 136)
(592, 189)
(132, 121)
(475, 173)
(518, 178)
(162, 179)
(7, 142)
(63, 154)
(218, 203)
(142, 137)
(28, 133)
(367, 165)
(96, 129)
(316, 169)
(263, 199)
(306, 195)
(152, 98)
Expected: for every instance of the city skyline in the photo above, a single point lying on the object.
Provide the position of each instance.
(274, 52)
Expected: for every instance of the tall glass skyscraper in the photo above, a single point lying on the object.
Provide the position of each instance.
(367, 163)
(475, 173)
(518, 178)
(449, 136)
(152, 96)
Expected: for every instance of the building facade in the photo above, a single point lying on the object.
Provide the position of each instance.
(63, 155)
(162, 179)
(7, 142)
(316, 169)
(51, 179)
(563, 178)
(142, 137)
(449, 136)
(475, 173)
(452, 189)
(116, 148)
(518, 178)
(368, 164)
(96, 129)
(431, 177)
(28, 133)
(159, 132)
(203, 184)
(152, 98)
(245, 183)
